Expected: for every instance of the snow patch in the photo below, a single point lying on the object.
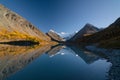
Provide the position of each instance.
(51, 30)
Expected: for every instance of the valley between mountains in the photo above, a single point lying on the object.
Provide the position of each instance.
(14, 28)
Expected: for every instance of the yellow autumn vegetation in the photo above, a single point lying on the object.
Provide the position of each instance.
(16, 50)
(15, 35)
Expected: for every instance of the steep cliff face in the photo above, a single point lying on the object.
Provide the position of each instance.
(14, 27)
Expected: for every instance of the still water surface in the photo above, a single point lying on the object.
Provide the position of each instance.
(52, 63)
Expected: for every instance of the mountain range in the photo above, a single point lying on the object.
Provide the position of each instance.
(108, 37)
(13, 27)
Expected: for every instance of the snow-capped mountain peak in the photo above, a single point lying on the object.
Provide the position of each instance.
(63, 35)
(51, 30)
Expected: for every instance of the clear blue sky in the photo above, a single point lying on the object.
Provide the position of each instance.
(66, 15)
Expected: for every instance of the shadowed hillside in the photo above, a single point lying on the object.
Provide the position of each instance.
(87, 30)
(108, 37)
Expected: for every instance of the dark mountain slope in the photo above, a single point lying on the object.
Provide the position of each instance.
(87, 30)
(108, 37)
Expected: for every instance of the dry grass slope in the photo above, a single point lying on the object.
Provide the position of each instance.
(14, 27)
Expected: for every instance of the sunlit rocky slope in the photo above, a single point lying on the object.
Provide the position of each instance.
(14, 27)
(54, 36)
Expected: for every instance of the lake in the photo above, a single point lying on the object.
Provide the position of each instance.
(55, 63)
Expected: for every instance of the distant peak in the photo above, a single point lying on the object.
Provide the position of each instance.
(88, 24)
(51, 30)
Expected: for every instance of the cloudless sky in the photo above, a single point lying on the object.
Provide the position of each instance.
(66, 15)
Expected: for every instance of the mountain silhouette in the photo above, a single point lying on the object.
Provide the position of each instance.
(87, 30)
(108, 37)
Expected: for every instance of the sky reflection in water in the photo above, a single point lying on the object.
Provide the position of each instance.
(56, 63)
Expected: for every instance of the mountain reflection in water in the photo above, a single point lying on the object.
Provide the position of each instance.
(14, 58)
(56, 63)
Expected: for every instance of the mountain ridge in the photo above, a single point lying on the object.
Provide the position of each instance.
(88, 29)
(14, 27)
(54, 36)
(108, 37)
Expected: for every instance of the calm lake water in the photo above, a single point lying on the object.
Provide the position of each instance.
(52, 63)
